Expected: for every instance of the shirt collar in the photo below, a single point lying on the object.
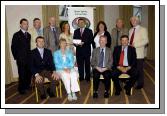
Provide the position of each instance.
(23, 30)
(137, 26)
(40, 49)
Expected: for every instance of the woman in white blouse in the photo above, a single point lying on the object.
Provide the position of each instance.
(101, 29)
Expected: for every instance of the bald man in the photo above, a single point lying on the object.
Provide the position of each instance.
(138, 38)
(51, 35)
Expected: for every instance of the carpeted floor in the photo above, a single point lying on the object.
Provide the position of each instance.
(143, 96)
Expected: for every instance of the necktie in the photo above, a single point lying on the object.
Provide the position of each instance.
(101, 58)
(121, 59)
(25, 34)
(132, 37)
(117, 38)
(81, 31)
(54, 33)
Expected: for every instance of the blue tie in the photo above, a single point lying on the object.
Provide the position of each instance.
(101, 58)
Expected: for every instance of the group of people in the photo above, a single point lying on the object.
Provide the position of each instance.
(50, 53)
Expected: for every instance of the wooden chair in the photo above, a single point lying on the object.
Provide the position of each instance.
(33, 84)
(124, 77)
(101, 78)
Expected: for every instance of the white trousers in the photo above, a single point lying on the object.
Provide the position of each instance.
(70, 80)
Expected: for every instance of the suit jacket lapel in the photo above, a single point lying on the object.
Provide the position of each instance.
(38, 53)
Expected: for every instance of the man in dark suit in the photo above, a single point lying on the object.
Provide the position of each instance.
(83, 50)
(21, 51)
(124, 61)
(42, 66)
(101, 63)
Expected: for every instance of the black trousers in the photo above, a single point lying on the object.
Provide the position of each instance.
(83, 62)
(129, 82)
(96, 79)
(24, 75)
(140, 75)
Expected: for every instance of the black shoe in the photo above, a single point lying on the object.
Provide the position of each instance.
(138, 87)
(88, 80)
(117, 92)
(22, 92)
(81, 79)
(95, 95)
(43, 96)
(106, 95)
(51, 94)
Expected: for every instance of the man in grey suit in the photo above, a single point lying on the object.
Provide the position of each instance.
(117, 32)
(51, 35)
(101, 63)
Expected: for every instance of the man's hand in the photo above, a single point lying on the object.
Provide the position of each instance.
(55, 76)
(67, 70)
(99, 69)
(103, 69)
(38, 79)
(81, 43)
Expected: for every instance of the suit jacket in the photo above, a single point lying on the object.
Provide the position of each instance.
(21, 46)
(50, 40)
(34, 35)
(60, 64)
(38, 64)
(87, 38)
(106, 33)
(140, 40)
(123, 31)
(131, 54)
(95, 58)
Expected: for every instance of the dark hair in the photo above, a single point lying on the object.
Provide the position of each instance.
(103, 23)
(39, 37)
(124, 36)
(81, 19)
(36, 19)
(23, 19)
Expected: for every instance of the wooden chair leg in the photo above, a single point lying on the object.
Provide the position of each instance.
(112, 87)
(131, 91)
(60, 89)
(91, 87)
(57, 94)
(36, 94)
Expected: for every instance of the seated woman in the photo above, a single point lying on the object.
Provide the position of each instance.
(64, 63)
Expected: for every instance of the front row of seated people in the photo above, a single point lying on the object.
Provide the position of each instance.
(61, 66)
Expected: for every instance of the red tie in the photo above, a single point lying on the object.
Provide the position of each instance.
(132, 37)
(81, 31)
(121, 59)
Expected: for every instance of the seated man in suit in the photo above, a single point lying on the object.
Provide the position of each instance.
(124, 61)
(42, 66)
(101, 63)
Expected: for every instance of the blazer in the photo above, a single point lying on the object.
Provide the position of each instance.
(140, 40)
(95, 58)
(50, 40)
(58, 59)
(123, 31)
(38, 64)
(131, 54)
(106, 33)
(87, 38)
(34, 35)
(20, 46)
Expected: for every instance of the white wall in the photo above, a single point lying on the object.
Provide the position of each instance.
(111, 13)
(13, 14)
